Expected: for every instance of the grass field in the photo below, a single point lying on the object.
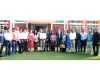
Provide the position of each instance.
(51, 56)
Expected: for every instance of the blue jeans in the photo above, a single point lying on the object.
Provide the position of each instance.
(77, 45)
(14, 46)
(1, 45)
(8, 46)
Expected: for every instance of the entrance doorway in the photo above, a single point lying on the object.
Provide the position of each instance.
(38, 26)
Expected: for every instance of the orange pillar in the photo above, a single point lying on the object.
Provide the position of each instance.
(52, 25)
(8, 23)
(86, 27)
(68, 25)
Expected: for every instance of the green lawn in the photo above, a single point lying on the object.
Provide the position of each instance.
(51, 56)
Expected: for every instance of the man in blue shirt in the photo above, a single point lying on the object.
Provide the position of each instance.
(89, 41)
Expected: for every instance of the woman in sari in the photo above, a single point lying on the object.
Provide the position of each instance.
(68, 44)
(30, 40)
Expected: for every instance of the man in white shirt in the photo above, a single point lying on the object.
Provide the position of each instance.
(25, 37)
(72, 39)
(20, 42)
(42, 40)
(8, 38)
(17, 31)
(83, 40)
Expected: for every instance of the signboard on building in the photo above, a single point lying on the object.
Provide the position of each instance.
(59, 21)
(19, 20)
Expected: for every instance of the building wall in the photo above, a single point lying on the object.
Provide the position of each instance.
(57, 26)
(54, 26)
(49, 27)
(20, 25)
(99, 27)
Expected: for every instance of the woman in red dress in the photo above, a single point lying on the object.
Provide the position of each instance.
(30, 40)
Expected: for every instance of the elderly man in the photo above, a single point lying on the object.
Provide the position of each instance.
(89, 41)
(72, 39)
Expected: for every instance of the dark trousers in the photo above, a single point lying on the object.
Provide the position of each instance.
(83, 45)
(95, 48)
(25, 48)
(20, 43)
(62, 49)
(47, 45)
(58, 43)
(17, 45)
(14, 46)
(8, 46)
(77, 45)
(52, 46)
(35, 46)
(1, 49)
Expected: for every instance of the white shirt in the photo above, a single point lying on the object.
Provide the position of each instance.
(36, 38)
(17, 34)
(83, 36)
(20, 35)
(72, 36)
(43, 36)
(59, 33)
(25, 35)
(8, 36)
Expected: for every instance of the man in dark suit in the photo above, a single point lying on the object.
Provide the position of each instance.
(96, 39)
(59, 37)
(47, 40)
(77, 41)
(1, 41)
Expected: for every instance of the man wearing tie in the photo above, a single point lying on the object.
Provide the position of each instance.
(59, 36)
(47, 39)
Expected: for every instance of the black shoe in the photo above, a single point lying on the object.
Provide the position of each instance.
(20, 53)
(0, 55)
(72, 52)
(95, 54)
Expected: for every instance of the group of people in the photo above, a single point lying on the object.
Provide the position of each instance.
(80, 41)
(20, 41)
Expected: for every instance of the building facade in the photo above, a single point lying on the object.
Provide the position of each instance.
(52, 25)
